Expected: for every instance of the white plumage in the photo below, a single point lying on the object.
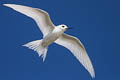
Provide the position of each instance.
(53, 34)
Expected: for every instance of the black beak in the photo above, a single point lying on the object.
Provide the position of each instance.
(69, 28)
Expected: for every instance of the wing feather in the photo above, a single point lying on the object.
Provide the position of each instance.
(78, 50)
(41, 17)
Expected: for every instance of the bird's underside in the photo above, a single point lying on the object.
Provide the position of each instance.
(47, 27)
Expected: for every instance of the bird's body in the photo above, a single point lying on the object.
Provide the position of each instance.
(52, 33)
(52, 36)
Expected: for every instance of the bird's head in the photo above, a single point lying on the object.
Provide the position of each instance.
(63, 27)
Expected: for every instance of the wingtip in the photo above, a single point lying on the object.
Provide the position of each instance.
(5, 4)
(93, 75)
(8, 5)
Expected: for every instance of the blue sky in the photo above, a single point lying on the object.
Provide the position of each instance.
(95, 22)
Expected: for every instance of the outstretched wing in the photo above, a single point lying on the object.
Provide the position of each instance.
(41, 17)
(78, 50)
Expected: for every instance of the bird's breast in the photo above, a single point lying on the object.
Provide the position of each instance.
(50, 38)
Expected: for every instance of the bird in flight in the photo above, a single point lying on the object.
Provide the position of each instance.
(53, 34)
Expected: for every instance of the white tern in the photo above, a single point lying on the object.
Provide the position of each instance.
(52, 33)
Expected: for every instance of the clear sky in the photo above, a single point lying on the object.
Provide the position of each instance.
(95, 22)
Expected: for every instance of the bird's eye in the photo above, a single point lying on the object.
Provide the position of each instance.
(63, 26)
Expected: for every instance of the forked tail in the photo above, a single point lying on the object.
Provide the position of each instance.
(36, 46)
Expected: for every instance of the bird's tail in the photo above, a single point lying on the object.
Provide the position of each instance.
(36, 46)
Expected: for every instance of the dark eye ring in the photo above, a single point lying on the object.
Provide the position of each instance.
(63, 26)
